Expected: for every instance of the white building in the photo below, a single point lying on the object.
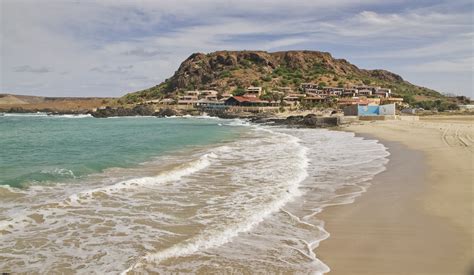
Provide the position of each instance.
(383, 92)
(364, 92)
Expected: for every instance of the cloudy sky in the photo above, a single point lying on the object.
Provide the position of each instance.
(109, 48)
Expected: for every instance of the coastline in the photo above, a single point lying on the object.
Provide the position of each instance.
(183, 175)
(416, 217)
(409, 221)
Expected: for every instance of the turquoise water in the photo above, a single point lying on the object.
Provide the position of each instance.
(167, 196)
(44, 149)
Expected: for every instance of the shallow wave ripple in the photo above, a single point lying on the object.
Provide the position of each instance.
(245, 206)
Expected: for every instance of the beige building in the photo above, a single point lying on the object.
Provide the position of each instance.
(188, 100)
(192, 93)
(293, 99)
(253, 91)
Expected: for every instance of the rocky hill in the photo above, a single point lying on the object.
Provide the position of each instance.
(230, 71)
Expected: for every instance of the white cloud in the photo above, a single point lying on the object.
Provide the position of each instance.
(411, 25)
(29, 69)
(113, 47)
(456, 46)
(444, 66)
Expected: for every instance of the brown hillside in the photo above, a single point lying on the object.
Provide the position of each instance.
(226, 71)
(22, 103)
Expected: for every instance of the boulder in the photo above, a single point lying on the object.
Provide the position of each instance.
(167, 112)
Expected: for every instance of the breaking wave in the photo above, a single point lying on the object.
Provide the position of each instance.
(166, 176)
(247, 205)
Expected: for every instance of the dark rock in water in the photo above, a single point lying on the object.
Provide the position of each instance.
(260, 118)
(225, 115)
(167, 112)
(294, 120)
(142, 110)
(310, 121)
(106, 112)
(120, 111)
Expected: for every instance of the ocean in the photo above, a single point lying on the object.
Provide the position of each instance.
(194, 195)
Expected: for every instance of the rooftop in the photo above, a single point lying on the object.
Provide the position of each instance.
(249, 99)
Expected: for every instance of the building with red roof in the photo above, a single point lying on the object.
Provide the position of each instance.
(245, 101)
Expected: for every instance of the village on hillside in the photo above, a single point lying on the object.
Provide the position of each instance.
(256, 99)
(355, 100)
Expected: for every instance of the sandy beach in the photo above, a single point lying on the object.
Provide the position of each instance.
(416, 218)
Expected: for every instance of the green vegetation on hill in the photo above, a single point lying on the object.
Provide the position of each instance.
(230, 71)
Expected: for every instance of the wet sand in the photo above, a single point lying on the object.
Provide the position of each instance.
(416, 218)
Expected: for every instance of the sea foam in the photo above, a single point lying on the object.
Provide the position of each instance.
(166, 176)
(249, 204)
(215, 238)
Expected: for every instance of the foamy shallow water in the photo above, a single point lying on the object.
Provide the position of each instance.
(245, 206)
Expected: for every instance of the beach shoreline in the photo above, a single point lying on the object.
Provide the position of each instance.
(267, 167)
(416, 217)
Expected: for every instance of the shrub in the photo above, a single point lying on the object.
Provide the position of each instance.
(281, 71)
(246, 63)
(408, 99)
(297, 74)
(255, 83)
(131, 98)
(225, 74)
(239, 91)
(319, 68)
(436, 105)
(297, 81)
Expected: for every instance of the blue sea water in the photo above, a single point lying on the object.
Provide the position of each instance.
(40, 149)
(80, 195)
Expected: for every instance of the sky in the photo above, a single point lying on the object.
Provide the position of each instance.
(109, 48)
